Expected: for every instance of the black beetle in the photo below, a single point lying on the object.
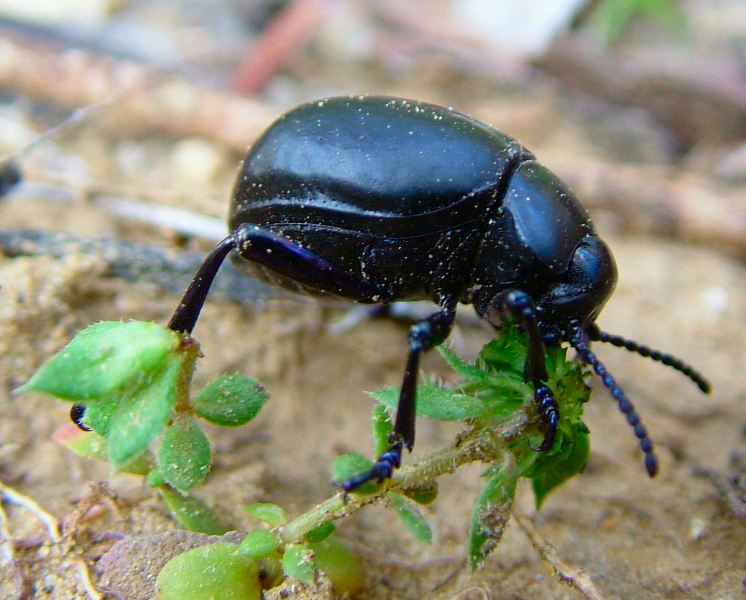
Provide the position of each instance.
(381, 199)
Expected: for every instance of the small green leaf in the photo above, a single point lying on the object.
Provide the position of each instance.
(297, 562)
(230, 400)
(412, 518)
(506, 353)
(347, 466)
(382, 428)
(192, 513)
(184, 457)
(208, 572)
(423, 494)
(547, 473)
(104, 360)
(259, 544)
(436, 402)
(321, 532)
(266, 512)
(90, 444)
(340, 564)
(140, 419)
(155, 478)
(98, 415)
(492, 510)
(461, 367)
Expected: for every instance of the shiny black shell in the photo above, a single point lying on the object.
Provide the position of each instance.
(403, 195)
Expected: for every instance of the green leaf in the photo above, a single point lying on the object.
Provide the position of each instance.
(259, 544)
(340, 564)
(230, 400)
(321, 532)
(461, 367)
(90, 444)
(412, 518)
(209, 572)
(347, 466)
(192, 513)
(547, 473)
(610, 18)
(266, 512)
(140, 419)
(184, 458)
(98, 415)
(155, 478)
(297, 562)
(505, 354)
(423, 494)
(492, 510)
(436, 402)
(105, 360)
(382, 429)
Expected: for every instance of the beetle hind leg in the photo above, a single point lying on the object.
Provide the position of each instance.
(423, 336)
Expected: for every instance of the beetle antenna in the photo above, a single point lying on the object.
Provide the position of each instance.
(596, 335)
(579, 341)
(186, 314)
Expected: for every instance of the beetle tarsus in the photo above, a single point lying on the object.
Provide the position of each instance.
(547, 408)
(381, 470)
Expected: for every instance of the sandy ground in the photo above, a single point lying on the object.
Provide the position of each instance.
(672, 537)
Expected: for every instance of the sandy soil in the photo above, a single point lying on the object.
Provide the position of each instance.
(672, 537)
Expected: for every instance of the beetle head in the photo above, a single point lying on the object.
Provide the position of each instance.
(577, 296)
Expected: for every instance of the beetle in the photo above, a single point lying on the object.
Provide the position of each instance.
(380, 199)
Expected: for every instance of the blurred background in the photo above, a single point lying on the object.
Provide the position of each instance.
(125, 120)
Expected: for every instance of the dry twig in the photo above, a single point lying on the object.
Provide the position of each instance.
(149, 102)
(577, 578)
(49, 521)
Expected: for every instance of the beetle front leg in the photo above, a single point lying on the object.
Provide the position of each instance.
(519, 306)
(423, 336)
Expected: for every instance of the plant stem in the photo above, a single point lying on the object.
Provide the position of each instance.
(486, 445)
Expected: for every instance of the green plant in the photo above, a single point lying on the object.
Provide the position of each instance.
(495, 402)
(134, 379)
(610, 18)
(143, 371)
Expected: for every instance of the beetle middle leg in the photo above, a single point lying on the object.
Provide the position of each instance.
(423, 336)
(519, 306)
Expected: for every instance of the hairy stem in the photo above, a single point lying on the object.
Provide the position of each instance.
(486, 445)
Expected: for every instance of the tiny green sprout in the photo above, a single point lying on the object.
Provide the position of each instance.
(340, 564)
(230, 400)
(184, 457)
(209, 572)
(267, 512)
(321, 532)
(259, 544)
(412, 518)
(192, 513)
(297, 562)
